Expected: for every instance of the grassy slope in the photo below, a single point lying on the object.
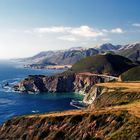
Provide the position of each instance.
(117, 94)
(103, 64)
(107, 124)
(132, 74)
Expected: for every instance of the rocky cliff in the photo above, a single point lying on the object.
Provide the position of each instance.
(93, 94)
(73, 125)
(80, 82)
(39, 84)
(84, 82)
(112, 94)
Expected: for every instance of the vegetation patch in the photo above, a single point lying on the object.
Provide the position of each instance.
(103, 64)
(132, 74)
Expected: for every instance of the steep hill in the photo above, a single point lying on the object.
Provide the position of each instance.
(113, 94)
(132, 74)
(68, 57)
(107, 47)
(79, 125)
(104, 64)
(62, 57)
(131, 51)
(41, 56)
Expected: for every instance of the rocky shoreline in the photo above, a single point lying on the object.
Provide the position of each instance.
(79, 82)
(51, 67)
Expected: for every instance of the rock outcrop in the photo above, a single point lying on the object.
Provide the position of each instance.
(39, 84)
(84, 82)
(80, 82)
(93, 94)
(112, 94)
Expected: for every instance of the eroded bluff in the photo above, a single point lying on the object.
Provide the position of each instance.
(81, 82)
(79, 125)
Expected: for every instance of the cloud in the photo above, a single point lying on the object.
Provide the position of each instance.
(86, 31)
(83, 31)
(117, 30)
(68, 38)
(54, 29)
(74, 34)
(136, 24)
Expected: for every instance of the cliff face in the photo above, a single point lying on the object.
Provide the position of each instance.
(112, 94)
(93, 94)
(60, 83)
(76, 125)
(46, 84)
(84, 82)
(81, 82)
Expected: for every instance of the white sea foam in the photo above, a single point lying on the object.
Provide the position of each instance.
(35, 111)
(11, 83)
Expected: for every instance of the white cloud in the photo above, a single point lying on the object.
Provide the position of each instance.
(86, 31)
(68, 38)
(54, 29)
(74, 34)
(105, 30)
(117, 30)
(136, 24)
(83, 31)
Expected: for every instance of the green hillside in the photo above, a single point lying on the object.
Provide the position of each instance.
(104, 64)
(132, 74)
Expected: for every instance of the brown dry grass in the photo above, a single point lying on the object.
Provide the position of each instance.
(133, 109)
(126, 86)
(64, 113)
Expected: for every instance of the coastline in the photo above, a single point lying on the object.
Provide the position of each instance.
(48, 67)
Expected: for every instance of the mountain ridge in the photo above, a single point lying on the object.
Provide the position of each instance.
(75, 54)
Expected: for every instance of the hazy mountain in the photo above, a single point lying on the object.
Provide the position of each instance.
(41, 56)
(107, 47)
(131, 51)
(69, 56)
(73, 55)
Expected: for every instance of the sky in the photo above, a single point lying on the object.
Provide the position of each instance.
(30, 26)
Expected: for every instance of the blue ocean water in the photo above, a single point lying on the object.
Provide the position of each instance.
(16, 104)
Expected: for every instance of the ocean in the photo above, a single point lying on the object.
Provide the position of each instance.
(16, 104)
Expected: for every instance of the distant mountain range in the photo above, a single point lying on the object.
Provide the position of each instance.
(73, 55)
(131, 51)
(107, 47)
